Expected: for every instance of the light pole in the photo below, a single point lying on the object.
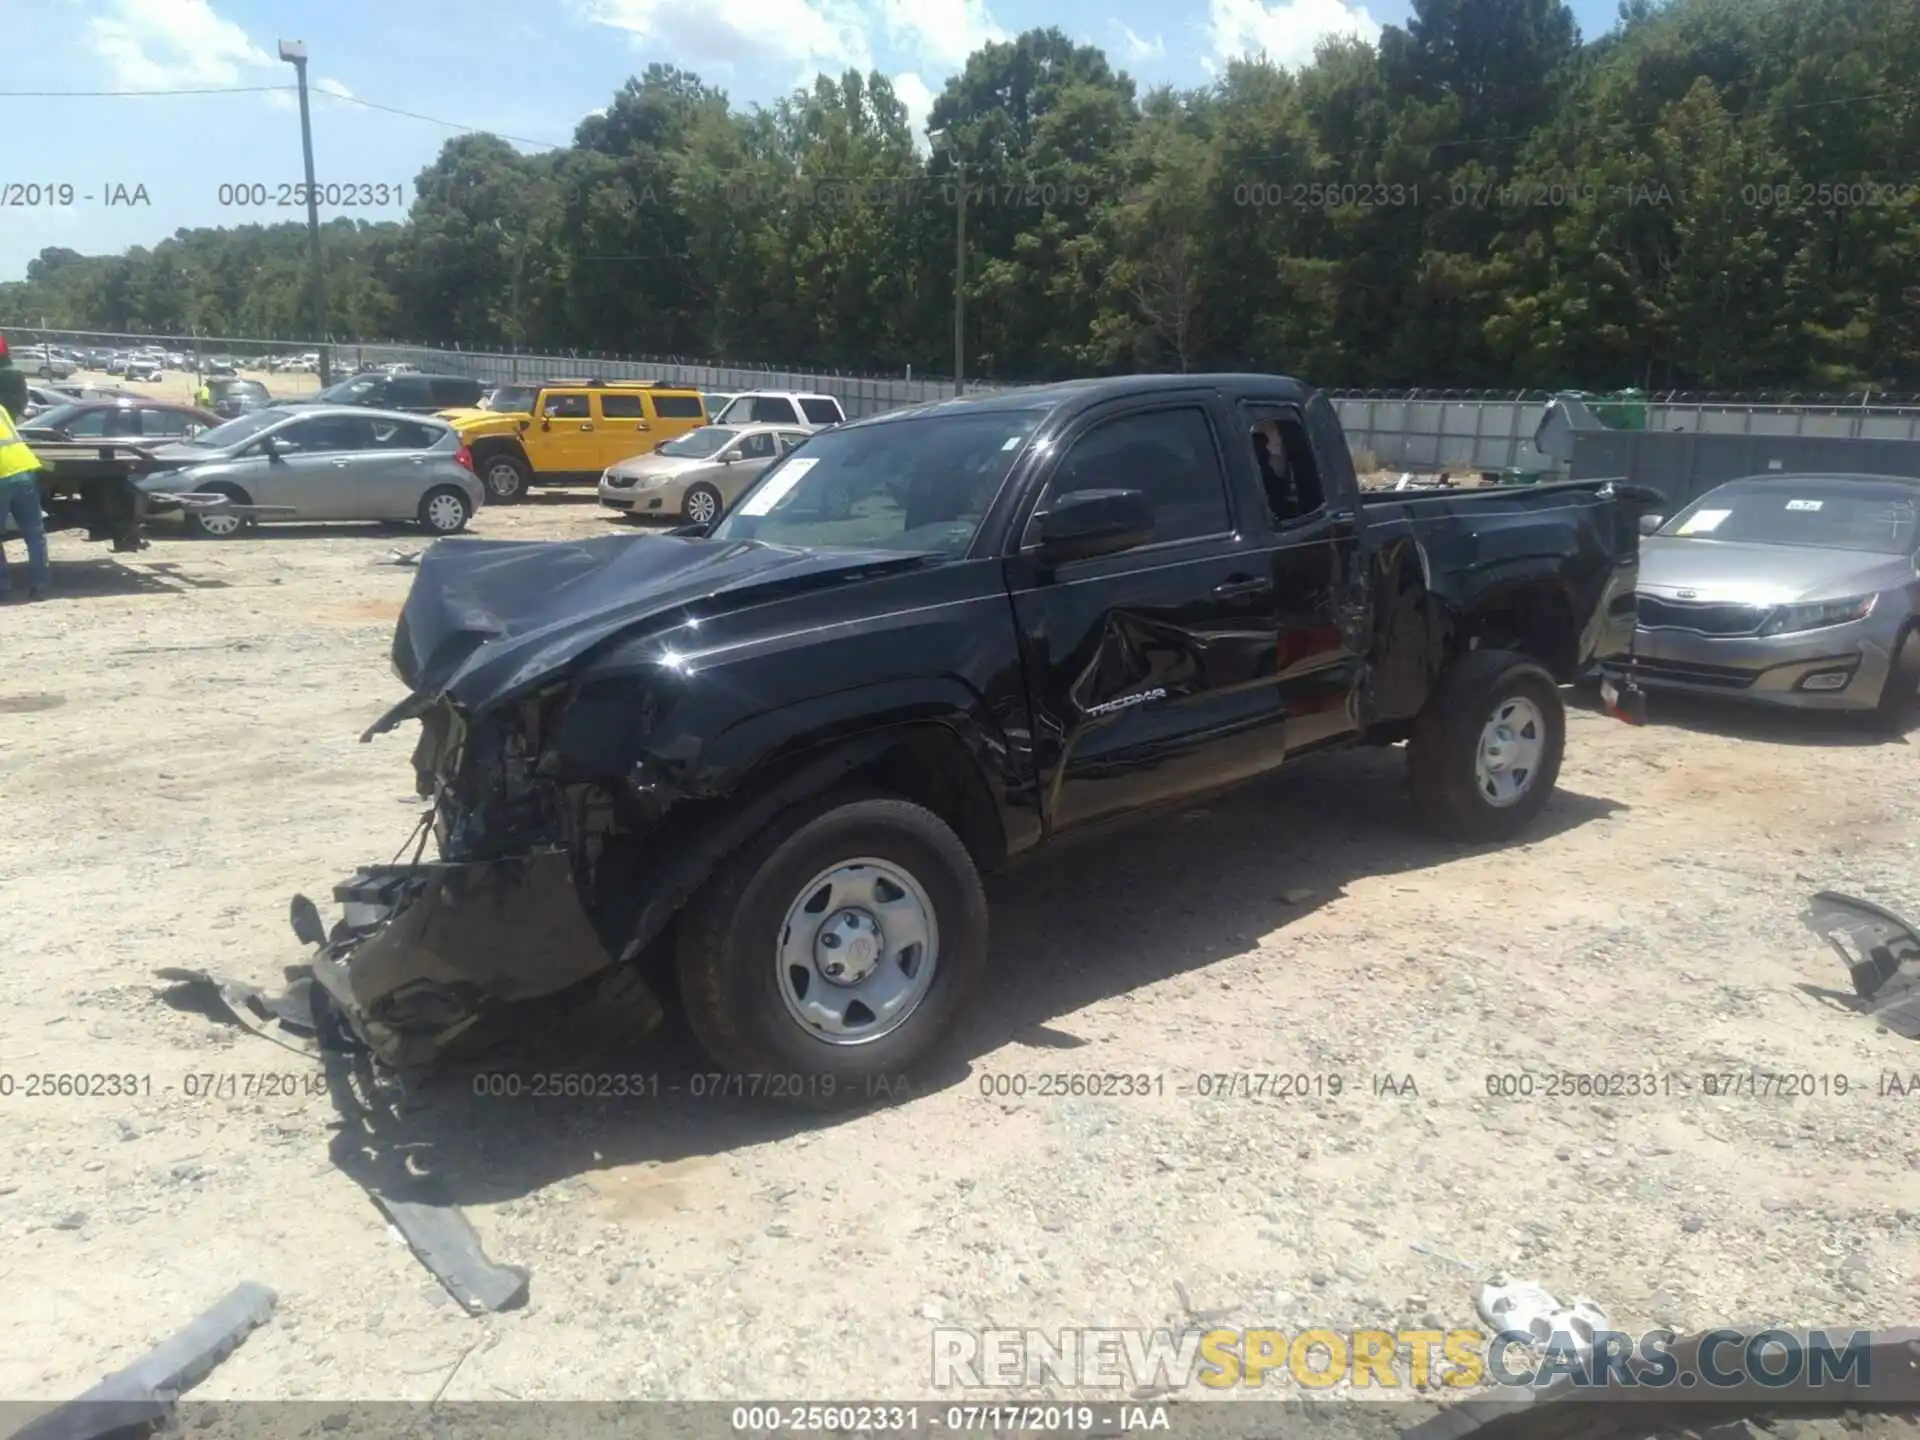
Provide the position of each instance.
(294, 52)
(944, 140)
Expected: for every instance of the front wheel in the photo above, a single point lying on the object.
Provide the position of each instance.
(219, 524)
(1486, 750)
(702, 505)
(1901, 692)
(507, 478)
(831, 956)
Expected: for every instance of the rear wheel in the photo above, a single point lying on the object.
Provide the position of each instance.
(832, 955)
(702, 505)
(445, 511)
(506, 476)
(219, 524)
(1486, 750)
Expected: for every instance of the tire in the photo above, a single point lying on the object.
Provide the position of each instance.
(445, 510)
(701, 505)
(507, 478)
(218, 526)
(1454, 795)
(738, 995)
(1898, 696)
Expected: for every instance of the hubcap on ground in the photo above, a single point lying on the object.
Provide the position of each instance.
(700, 507)
(444, 512)
(857, 952)
(1511, 744)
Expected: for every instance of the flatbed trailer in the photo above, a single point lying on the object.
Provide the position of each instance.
(93, 485)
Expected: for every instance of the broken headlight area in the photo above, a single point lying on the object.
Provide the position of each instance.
(426, 954)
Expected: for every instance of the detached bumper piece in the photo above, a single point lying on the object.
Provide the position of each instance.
(425, 954)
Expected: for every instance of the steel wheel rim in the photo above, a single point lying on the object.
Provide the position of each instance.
(874, 920)
(445, 513)
(503, 480)
(700, 507)
(1512, 743)
(220, 525)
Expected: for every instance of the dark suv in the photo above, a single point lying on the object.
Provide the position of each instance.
(421, 394)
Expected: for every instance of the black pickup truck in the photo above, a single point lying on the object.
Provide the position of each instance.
(774, 755)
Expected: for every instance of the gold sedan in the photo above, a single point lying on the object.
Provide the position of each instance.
(695, 477)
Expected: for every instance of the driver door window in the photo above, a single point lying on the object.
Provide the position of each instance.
(755, 447)
(88, 424)
(1169, 455)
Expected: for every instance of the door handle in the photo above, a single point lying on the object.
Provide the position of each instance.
(586, 427)
(340, 464)
(1241, 585)
(1341, 517)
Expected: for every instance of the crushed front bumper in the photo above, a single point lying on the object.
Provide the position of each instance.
(427, 954)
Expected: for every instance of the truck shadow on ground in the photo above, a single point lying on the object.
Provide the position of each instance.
(1090, 921)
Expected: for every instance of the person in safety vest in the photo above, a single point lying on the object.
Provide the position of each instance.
(203, 397)
(19, 483)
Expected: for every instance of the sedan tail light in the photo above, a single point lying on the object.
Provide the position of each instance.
(463, 456)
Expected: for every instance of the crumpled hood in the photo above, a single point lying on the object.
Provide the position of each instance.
(488, 619)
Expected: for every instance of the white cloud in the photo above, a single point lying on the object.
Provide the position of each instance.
(327, 85)
(1286, 30)
(913, 93)
(815, 35)
(171, 44)
(942, 32)
(1139, 49)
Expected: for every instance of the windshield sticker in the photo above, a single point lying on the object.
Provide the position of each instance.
(1703, 522)
(777, 486)
(1803, 504)
(1013, 442)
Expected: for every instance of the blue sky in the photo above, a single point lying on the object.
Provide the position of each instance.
(526, 69)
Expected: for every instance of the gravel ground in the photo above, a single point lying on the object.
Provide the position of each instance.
(179, 752)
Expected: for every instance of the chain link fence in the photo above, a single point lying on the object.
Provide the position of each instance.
(1420, 430)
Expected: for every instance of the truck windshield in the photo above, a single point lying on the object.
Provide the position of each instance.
(920, 484)
(510, 400)
(1826, 513)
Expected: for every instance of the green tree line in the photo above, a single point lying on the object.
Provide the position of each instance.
(1715, 194)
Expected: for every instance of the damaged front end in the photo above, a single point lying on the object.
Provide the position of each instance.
(427, 955)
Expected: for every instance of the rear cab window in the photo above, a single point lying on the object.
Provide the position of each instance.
(621, 405)
(820, 410)
(670, 406)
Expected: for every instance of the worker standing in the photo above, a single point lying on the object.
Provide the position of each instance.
(20, 485)
(203, 397)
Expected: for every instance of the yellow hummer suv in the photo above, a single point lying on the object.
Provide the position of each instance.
(567, 432)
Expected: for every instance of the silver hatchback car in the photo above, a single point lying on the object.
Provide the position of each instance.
(323, 462)
(696, 476)
(1794, 590)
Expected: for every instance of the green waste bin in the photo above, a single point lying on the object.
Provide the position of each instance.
(1623, 410)
(1514, 475)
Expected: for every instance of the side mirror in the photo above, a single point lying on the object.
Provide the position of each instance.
(1089, 523)
(726, 457)
(1650, 523)
(273, 448)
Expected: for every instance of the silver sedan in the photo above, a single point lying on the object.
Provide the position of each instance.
(1795, 590)
(698, 475)
(322, 462)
